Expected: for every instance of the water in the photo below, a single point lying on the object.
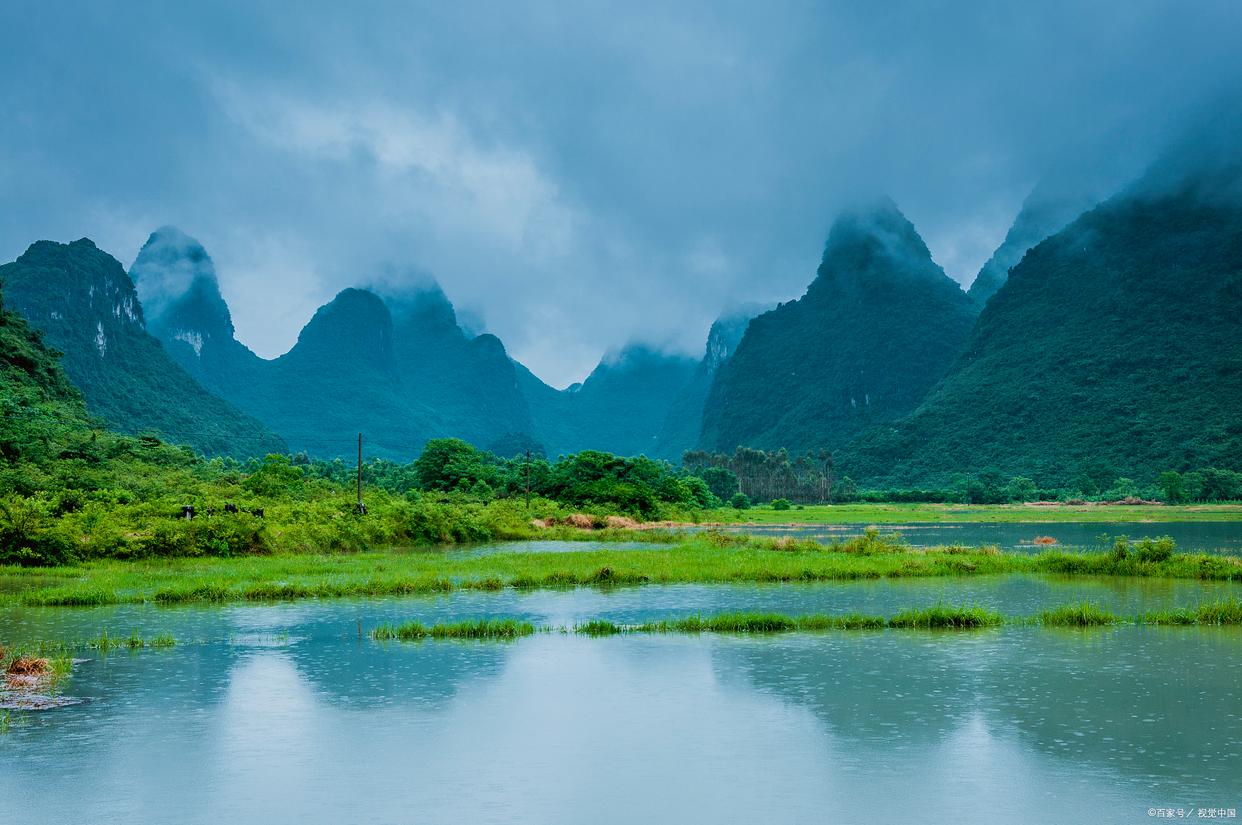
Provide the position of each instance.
(1191, 536)
(279, 713)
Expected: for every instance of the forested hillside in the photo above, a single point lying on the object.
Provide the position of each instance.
(84, 303)
(1114, 348)
(1046, 210)
(879, 325)
(620, 408)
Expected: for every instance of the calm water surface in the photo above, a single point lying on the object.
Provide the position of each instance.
(279, 713)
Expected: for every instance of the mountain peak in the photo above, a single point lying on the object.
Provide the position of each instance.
(874, 240)
(356, 322)
(176, 281)
(169, 265)
(1049, 207)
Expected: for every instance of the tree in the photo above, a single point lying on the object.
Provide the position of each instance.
(1172, 487)
(1022, 489)
(721, 481)
(447, 464)
(740, 501)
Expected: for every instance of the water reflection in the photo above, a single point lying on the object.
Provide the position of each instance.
(282, 714)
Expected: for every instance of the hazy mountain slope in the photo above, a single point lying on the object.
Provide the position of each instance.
(85, 304)
(176, 283)
(621, 407)
(1046, 210)
(1117, 341)
(879, 325)
(684, 422)
(399, 369)
(471, 383)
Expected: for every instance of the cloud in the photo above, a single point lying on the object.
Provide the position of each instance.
(575, 176)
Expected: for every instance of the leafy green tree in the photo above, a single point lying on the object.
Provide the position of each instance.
(721, 481)
(740, 501)
(449, 464)
(700, 492)
(275, 478)
(1022, 489)
(781, 504)
(1219, 485)
(846, 490)
(1172, 487)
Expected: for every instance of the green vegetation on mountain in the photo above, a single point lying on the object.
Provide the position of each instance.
(400, 369)
(1114, 349)
(1046, 210)
(684, 422)
(180, 295)
(620, 408)
(72, 490)
(84, 303)
(880, 324)
(469, 382)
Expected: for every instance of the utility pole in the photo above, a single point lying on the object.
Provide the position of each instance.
(528, 479)
(362, 508)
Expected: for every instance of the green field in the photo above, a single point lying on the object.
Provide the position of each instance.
(707, 558)
(860, 513)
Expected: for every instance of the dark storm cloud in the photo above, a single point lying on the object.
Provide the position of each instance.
(573, 175)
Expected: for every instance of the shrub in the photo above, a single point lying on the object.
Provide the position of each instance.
(740, 501)
(28, 537)
(781, 504)
(1156, 550)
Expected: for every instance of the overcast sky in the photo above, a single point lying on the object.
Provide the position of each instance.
(575, 175)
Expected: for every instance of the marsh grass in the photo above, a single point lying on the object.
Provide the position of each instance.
(599, 627)
(470, 629)
(1225, 612)
(106, 642)
(944, 617)
(701, 558)
(1084, 614)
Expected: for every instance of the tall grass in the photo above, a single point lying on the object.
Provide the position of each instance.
(470, 629)
(1225, 612)
(695, 559)
(1078, 615)
(943, 617)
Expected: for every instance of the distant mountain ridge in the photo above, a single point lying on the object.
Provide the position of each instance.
(1116, 343)
(1048, 209)
(85, 304)
(400, 368)
(621, 407)
(684, 423)
(879, 325)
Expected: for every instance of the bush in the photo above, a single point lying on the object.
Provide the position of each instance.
(443, 523)
(781, 504)
(1155, 550)
(28, 536)
(740, 501)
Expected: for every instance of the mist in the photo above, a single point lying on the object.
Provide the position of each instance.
(576, 178)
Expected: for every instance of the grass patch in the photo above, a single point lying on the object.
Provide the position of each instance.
(1078, 615)
(943, 617)
(599, 627)
(471, 629)
(1225, 612)
(711, 558)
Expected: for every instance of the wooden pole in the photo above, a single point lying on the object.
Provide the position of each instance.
(528, 479)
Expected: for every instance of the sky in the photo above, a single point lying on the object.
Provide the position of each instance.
(576, 176)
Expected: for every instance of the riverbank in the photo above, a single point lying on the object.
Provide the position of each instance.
(703, 559)
(1041, 512)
